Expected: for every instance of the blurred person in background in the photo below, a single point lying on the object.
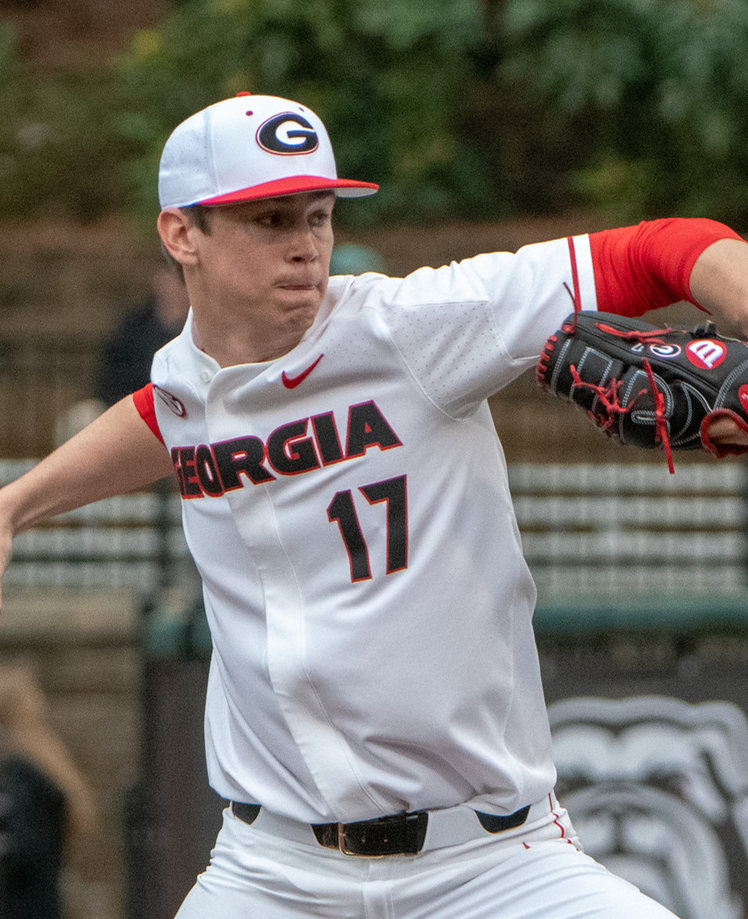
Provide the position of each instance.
(46, 806)
(127, 354)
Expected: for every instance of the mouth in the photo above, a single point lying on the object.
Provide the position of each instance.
(298, 284)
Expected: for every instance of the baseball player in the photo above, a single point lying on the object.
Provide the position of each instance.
(374, 712)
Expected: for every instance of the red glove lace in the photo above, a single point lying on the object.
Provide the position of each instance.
(610, 407)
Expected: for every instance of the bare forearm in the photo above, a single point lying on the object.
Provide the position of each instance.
(115, 454)
(719, 283)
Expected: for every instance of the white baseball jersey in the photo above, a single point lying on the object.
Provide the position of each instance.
(347, 507)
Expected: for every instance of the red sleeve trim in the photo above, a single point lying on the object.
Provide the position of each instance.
(574, 273)
(648, 266)
(143, 399)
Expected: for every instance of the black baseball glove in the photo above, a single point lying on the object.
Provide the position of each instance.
(645, 386)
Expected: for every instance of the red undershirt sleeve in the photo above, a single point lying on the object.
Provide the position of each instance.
(143, 399)
(648, 266)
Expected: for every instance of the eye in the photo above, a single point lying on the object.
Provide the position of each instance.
(271, 219)
(320, 218)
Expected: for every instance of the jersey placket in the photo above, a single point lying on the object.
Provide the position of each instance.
(323, 748)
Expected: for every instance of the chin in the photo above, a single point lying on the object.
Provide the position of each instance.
(300, 319)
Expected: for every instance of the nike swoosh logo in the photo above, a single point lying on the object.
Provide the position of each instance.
(293, 382)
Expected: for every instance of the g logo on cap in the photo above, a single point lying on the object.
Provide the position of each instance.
(287, 134)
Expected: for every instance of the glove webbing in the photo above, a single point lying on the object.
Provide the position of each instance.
(607, 396)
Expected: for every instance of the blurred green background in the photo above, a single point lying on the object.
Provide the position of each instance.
(476, 109)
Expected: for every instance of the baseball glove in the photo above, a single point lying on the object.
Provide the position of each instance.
(645, 386)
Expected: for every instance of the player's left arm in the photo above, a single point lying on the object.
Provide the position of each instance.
(650, 265)
(656, 263)
(719, 283)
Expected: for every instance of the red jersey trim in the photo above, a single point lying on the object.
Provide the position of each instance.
(648, 266)
(143, 399)
(576, 296)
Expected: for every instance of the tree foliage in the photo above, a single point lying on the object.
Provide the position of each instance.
(384, 76)
(650, 97)
(458, 108)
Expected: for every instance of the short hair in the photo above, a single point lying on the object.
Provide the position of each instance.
(197, 215)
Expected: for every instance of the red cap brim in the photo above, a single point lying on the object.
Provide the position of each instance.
(294, 185)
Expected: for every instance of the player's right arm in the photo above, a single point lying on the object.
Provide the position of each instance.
(115, 454)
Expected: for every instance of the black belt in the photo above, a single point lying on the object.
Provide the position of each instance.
(399, 834)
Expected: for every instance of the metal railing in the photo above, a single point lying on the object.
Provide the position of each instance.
(41, 378)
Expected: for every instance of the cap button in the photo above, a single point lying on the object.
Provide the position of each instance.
(244, 93)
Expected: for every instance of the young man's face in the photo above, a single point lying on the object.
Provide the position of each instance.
(269, 259)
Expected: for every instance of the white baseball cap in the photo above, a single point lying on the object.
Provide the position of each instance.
(246, 148)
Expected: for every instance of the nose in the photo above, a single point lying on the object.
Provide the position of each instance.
(304, 246)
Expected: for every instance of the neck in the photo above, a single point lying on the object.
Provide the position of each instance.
(229, 348)
(230, 341)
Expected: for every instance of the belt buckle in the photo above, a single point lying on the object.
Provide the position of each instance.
(401, 834)
(343, 844)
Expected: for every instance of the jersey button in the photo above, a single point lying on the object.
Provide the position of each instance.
(205, 376)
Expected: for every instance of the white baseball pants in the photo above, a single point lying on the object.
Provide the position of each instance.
(275, 869)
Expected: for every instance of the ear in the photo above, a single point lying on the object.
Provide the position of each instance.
(175, 230)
